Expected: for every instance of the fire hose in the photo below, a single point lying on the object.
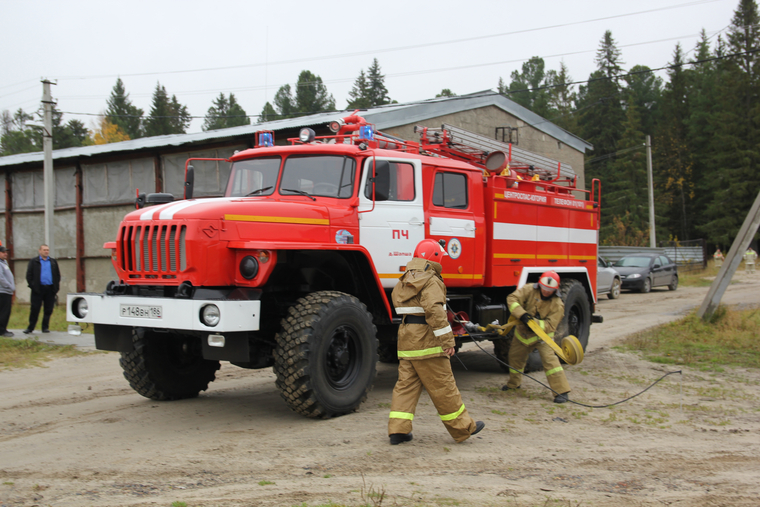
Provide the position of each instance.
(571, 352)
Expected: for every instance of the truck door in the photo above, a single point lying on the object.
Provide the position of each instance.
(452, 219)
(391, 226)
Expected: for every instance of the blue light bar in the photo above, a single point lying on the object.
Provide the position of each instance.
(365, 132)
(265, 139)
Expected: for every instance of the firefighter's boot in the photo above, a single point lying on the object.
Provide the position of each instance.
(479, 425)
(400, 438)
(562, 398)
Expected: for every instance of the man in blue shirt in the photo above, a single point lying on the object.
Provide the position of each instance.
(43, 277)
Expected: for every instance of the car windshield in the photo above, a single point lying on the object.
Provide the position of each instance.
(633, 262)
(313, 175)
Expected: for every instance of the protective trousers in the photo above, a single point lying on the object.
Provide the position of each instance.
(436, 377)
(518, 356)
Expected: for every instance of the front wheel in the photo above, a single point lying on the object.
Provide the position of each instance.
(615, 290)
(167, 367)
(326, 355)
(647, 285)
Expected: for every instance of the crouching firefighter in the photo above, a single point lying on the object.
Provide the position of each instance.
(425, 344)
(541, 302)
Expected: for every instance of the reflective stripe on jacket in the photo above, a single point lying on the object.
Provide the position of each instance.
(420, 291)
(548, 313)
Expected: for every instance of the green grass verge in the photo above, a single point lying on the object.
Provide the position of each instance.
(728, 339)
(30, 352)
(20, 318)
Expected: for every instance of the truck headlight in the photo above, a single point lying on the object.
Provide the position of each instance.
(80, 308)
(249, 267)
(210, 315)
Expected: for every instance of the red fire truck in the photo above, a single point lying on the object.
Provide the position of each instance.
(294, 266)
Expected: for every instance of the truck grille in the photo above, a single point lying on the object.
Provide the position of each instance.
(153, 251)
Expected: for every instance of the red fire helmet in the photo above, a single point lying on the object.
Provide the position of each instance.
(549, 280)
(429, 249)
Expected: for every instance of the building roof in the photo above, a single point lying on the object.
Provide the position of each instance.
(383, 117)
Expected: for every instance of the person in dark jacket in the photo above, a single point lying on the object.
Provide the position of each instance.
(7, 287)
(44, 278)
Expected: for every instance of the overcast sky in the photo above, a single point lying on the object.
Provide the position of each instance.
(197, 49)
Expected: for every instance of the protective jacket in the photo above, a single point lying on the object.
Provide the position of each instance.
(547, 312)
(420, 299)
(421, 294)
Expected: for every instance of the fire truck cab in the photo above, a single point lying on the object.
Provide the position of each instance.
(294, 266)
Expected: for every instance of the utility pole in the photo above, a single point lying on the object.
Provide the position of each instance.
(47, 168)
(652, 240)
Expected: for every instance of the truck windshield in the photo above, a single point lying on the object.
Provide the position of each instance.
(313, 175)
(256, 176)
(320, 175)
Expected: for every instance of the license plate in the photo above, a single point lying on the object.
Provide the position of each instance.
(141, 311)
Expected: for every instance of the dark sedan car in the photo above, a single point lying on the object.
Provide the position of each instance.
(641, 272)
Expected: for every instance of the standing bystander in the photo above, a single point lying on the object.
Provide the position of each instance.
(7, 287)
(43, 277)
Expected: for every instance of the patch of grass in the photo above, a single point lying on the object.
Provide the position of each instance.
(384, 405)
(20, 317)
(30, 352)
(8, 483)
(265, 483)
(498, 412)
(326, 476)
(728, 339)
(179, 504)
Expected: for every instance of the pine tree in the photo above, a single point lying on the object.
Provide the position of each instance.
(602, 115)
(166, 116)
(446, 93)
(284, 103)
(358, 96)
(562, 100)
(225, 113)
(528, 88)
(673, 164)
(645, 91)
(377, 93)
(311, 95)
(737, 141)
(268, 113)
(121, 112)
(16, 136)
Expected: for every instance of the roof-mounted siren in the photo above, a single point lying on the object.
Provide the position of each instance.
(335, 125)
(264, 138)
(496, 162)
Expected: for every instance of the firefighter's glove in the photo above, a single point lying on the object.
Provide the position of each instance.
(525, 318)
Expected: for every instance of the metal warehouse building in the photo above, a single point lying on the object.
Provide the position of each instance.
(95, 185)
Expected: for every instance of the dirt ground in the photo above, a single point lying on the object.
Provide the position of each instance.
(74, 434)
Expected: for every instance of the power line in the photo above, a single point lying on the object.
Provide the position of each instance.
(398, 48)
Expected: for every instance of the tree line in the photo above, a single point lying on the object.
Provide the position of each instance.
(703, 120)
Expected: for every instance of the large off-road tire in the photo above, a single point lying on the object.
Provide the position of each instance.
(167, 367)
(576, 322)
(614, 292)
(326, 354)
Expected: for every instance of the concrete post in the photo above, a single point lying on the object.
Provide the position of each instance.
(652, 239)
(733, 259)
(47, 172)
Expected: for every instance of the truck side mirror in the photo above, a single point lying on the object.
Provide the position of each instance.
(189, 180)
(382, 180)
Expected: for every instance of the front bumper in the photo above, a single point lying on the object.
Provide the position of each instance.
(172, 313)
(635, 283)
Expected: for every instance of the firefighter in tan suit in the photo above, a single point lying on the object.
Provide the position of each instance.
(541, 302)
(425, 343)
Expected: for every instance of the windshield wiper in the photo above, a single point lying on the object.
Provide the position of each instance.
(257, 191)
(307, 194)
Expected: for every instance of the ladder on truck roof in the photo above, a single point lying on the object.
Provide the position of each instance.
(458, 143)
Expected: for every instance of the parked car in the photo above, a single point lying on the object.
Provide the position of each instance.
(641, 272)
(608, 280)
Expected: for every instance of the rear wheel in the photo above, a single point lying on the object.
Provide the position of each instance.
(326, 354)
(673, 283)
(615, 289)
(576, 322)
(167, 367)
